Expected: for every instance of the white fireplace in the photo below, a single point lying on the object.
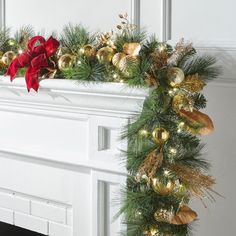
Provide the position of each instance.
(60, 164)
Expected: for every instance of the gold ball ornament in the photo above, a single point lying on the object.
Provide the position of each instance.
(8, 57)
(182, 102)
(66, 61)
(161, 188)
(105, 54)
(175, 76)
(88, 50)
(160, 135)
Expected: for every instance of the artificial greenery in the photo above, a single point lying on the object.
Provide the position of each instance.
(147, 69)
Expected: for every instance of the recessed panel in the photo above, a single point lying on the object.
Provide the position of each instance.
(204, 20)
(54, 14)
(44, 136)
(151, 16)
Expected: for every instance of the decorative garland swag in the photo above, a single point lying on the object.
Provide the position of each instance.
(164, 162)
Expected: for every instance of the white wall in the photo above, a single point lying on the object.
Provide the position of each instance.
(209, 24)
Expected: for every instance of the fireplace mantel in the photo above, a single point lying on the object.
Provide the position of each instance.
(60, 154)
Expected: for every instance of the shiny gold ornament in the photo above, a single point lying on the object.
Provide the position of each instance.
(197, 118)
(175, 76)
(182, 102)
(8, 57)
(66, 61)
(184, 216)
(160, 135)
(88, 50)
(132, 49)
(105, 54)
(163, 189)
(163, 215)
(151, 164)
(193, 83)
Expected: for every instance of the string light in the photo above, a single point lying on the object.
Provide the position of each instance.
(180, 126)
(143, 133)
(173, 151)
(166, 172)
(121, 81)
(82, 50)
(20, 51)
(79, 62)
(115, 76)
(11, 42)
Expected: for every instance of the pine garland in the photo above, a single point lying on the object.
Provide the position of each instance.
(164, 137)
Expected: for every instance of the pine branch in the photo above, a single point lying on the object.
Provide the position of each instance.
(203, 66)
(73, 37)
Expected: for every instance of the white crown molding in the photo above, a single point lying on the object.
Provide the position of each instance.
(135, 12)
(166, 18)
(2, 14)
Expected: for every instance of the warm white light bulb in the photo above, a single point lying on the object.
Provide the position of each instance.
(115, 76)
(20, 51)
(166, 172)
(79, 62)
(173, 150)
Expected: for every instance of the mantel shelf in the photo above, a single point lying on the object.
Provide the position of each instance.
(93, 96)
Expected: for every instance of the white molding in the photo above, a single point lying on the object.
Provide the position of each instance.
(2, 14)
(135, 13)
(70, 98)
(166, 17)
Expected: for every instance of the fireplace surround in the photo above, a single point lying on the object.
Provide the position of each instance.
(60, 164)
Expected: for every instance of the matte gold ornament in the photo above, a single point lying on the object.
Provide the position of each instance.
(88, 50)
(184, 216)
(66, 61)
(182, 102)
(193, 83)
(127, 63)
(175, 76)
(105, 54)
(163, 215)
(8, 57)
(161, 188)
(117, 58)
(160, 135)
(132, 49)
(198, 118)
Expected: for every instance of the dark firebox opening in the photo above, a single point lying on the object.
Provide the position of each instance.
(11, 230)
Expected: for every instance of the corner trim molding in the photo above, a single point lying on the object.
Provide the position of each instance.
(2, 14)
(135, 13)
(166, 19)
